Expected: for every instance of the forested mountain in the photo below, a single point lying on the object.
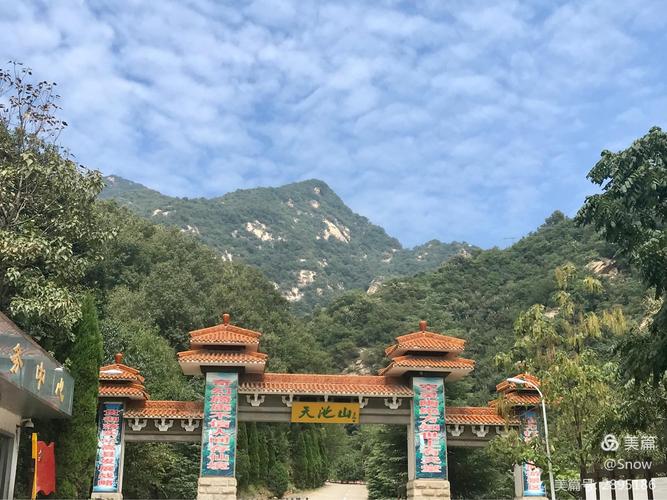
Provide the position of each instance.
(477, 297)
(302, 236)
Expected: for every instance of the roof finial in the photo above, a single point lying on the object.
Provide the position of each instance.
(422, 325)
(225, 318)
(118, 358)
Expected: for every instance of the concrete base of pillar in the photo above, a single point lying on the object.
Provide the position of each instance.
(428, 489)
(106, 496)
(216, 488)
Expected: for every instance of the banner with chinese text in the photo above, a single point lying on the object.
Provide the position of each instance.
(428, 407)
(532, 475)
(219, 429)
(325, 413)
(109, 448)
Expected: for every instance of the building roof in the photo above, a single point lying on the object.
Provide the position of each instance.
(193, 360)
(519, 399)
(120, 372)
(401, 364)
(348, 385)
(130, 390)
(232, 358)
(424, 340)
(165, 409)
(226, 330)
(506, 386)
(476, 416)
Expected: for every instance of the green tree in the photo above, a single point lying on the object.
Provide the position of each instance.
(50, 228)
(387, 463)
(631, 212)
(253, 452)
(242, 457)
(556, 345)
(300, 458)
(263, 452)
(77, 439)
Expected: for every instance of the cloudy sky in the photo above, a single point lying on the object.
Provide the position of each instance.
(457, 120)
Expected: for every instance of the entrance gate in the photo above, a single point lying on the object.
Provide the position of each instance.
(409, 391)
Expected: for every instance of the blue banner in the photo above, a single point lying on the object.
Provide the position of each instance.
(218, 449)
(109, 448)
(428, 407)
(532, 475)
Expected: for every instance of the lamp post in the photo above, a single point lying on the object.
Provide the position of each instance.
(520, 381)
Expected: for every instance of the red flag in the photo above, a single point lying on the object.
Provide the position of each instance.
(46, 468)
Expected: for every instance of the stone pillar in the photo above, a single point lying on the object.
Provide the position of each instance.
(216, 488)
(108, 478)
(217, 479)
(427, 441)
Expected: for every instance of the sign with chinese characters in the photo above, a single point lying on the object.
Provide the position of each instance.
(33, 374)
(428, 419)
(325, 413)
(109, 448)
(219, 429)
(532, 475)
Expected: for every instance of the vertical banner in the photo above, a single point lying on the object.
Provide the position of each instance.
(109, 448)
(532, 475)
(218, 450)
(428, 417)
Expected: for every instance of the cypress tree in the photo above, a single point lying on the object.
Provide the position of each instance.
(263, 453)
(242, 457)
(77, 439)
(300, 464)
(253, 453)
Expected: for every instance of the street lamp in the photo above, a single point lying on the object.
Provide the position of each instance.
(520, 381)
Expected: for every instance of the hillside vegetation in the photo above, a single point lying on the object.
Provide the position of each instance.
(302, 236)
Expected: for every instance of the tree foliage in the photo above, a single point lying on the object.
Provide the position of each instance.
(631, 212)
(50, 229)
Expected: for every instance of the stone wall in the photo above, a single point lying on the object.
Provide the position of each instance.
(216, 488)
(428, 489)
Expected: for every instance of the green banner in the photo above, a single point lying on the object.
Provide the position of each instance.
(428, 418)
(219, 429)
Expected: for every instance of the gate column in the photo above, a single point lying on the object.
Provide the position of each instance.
(427, 441)
(221, 353)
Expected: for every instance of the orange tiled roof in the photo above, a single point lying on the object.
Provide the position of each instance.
(165, 409)
(505, 385)
(222, 337)
(295, 383)
(227, 357)
(409, 361)
(425, 340)
(120, 372)
(225, 328)
(520, 399)
(476, 416)
(131, 391)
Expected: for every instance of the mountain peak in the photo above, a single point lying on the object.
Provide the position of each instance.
(302, 235)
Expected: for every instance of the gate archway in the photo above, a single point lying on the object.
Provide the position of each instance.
(410, 391)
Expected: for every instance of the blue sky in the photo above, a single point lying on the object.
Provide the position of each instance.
(457, 120)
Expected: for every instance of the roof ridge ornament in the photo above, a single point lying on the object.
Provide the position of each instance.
(118, 358)
(225, 318)
(422, 326)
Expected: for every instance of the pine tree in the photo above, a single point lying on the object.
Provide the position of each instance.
(77, 437)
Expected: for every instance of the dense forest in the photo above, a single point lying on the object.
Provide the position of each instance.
(580, 303)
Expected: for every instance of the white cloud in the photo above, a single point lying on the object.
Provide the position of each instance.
(451, 120)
